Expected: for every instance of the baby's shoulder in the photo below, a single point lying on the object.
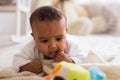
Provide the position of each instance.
(70, 40)
(30, 45)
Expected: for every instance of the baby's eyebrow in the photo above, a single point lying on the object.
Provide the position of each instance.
(42, 38)
(60, 36)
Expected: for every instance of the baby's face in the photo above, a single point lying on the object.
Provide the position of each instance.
(50, 36)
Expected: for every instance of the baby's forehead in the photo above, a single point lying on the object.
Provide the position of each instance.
(49, 25)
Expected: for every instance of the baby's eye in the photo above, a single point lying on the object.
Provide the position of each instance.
(44, 41)
(59, 39)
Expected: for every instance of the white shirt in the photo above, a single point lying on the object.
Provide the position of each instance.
(30, 52)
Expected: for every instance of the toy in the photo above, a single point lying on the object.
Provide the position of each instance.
(70, 71)
(96, 74)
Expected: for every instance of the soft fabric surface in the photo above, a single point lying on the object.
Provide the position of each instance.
(106, 47)
(103, 50)
(10, 74)
(111, 71)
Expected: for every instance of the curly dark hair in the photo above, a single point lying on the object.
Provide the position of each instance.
(46, 13)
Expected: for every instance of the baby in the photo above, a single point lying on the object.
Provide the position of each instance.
(49, 31)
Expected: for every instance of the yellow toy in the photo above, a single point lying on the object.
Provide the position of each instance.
(68, 71)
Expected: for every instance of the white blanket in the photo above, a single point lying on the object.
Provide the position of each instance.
(111, 71)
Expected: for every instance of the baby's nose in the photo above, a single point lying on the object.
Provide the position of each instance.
(52, 46)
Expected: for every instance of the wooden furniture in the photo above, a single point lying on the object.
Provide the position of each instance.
(23, 8)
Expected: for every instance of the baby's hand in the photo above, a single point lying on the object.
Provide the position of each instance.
(35, 66)
(61, 56)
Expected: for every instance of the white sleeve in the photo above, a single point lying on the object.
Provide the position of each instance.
(25, 56)
(76, 53)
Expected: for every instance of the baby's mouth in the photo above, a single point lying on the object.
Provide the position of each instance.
(53, 54)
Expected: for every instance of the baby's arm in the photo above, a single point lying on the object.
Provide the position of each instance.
(35, 66)
(28, 59)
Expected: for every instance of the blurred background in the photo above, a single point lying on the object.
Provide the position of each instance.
(84, 17)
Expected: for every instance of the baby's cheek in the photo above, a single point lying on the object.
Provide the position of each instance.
(42, 48)
(62, 46)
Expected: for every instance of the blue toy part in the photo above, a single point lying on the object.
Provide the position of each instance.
(96, 74)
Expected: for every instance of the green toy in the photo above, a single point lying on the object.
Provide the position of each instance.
(70, 71)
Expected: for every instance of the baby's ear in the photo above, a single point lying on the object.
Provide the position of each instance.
(33, 35)
(66, 29)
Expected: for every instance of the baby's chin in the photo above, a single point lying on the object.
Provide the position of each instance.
(51, 55)
(48, 57)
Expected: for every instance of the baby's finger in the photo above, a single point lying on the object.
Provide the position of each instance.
(58, 59)
(60, 52)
